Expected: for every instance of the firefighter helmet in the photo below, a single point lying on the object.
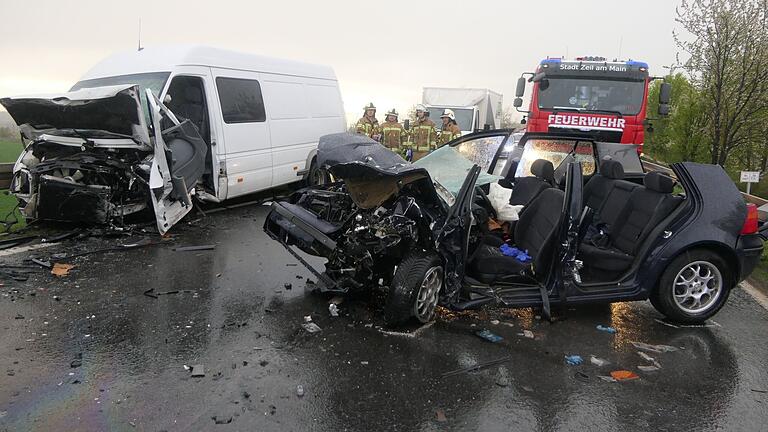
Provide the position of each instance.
(421, 108)
(392, 112)
(449, 113)
(370, 106)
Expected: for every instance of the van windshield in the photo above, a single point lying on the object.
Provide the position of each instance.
(154, 81)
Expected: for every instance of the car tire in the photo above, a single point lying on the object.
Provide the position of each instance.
(317, 176)
(419, 274)
(694, 287)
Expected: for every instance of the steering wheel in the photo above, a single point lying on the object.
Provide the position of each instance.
(484, 201)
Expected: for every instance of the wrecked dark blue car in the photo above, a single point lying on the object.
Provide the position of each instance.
(590, 226)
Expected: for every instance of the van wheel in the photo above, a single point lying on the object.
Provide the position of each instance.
(694, 287)
(415, 289)
(317, 176)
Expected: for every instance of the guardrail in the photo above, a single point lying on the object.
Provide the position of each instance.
(6, 175)
(650, 165)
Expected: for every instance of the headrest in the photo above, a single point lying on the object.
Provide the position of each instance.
(193, 95)
(612, 169)
(659, 182)
(543, 169)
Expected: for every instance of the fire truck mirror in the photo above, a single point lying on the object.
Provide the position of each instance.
(520, 91)
(663, 109)
(665, 93)
(407, 124)
(518, 102)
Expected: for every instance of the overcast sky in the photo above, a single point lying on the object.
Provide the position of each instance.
(383, 52)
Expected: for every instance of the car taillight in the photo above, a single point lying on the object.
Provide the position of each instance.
(751, 222)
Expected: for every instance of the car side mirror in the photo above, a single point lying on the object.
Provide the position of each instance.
(665, 93)
(520, 90)
(518, 102)
(407, 124)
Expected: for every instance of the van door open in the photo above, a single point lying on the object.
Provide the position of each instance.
(177, 165)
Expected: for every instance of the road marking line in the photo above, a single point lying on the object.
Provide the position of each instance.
(20, 249)
(756, 294)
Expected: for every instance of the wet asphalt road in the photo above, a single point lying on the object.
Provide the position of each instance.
(235, 316)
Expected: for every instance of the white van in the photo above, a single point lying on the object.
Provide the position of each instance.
(260, 120)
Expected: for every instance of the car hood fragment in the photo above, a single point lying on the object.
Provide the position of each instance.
(372, 172)
(111, 111)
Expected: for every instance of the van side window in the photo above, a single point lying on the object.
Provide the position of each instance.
(241, 100)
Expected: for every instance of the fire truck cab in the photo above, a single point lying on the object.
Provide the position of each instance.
(589, 96)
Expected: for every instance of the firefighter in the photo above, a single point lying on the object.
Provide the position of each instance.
(368, 125)
(393, 134)
(423, 134)
(450, 129)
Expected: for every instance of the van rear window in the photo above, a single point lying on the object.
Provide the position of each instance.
(241, 100)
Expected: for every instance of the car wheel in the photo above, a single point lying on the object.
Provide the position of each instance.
(415, 289)
(317, 176)
(694, 287)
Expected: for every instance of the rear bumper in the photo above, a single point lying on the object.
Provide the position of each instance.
(750, 249)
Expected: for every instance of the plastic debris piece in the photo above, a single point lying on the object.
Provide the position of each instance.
(606, 329)
(489, 336)
(61, 270)
(654, 348)
(46, 264)
(198, 371)
(311, 327)
(299, 390)
(597, 361)
(624, 375)
(333, 310)
(607, 378)
(194, 248)
(440, 415)
(648, 358)
(527, 333)
(222, 419)
(581, 376)
(647, 368)
(495, 322)
(574, 360)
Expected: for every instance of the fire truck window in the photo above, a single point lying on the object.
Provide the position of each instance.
(625, 97)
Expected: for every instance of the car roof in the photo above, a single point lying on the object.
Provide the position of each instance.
(165, 58)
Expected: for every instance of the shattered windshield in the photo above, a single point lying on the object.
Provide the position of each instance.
(556, 151)
(448, 166)
(154, 81)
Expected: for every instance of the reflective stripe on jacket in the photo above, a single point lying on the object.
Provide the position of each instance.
(367, 127)
(392, 135)
(424, 135)
(448, 133)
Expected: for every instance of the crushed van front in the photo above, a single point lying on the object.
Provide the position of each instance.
(90, 157)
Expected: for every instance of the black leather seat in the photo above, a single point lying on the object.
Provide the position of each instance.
(535, 232)
(644, 210)
(192, 108)
(528, 188)
(607, 192)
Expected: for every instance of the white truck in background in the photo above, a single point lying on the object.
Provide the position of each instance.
(475, 109)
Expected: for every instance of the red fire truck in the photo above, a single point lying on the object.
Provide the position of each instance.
(589, 96)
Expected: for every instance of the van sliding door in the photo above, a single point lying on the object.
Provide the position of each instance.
(245, 131)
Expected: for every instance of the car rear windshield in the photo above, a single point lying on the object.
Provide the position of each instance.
(154, 81)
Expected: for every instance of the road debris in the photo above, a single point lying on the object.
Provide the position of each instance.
(606, 329)
(300, 391)
(597, 361)
(311, 327)
(222, 419)
(489, 336)
(645, 368)
(9, 243)
(707, 324)
(440, 415)
(61, 269)
(581, 376)
(151, 292)
(654, 348)
(477, 367)
(502, 378)
(574, 360)
(194, 248)
(41, 263)
(333, 310)
(495, 322)
(287, 285)
(607, 378)
(527, 333)
(198, 371)
(624, 375)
